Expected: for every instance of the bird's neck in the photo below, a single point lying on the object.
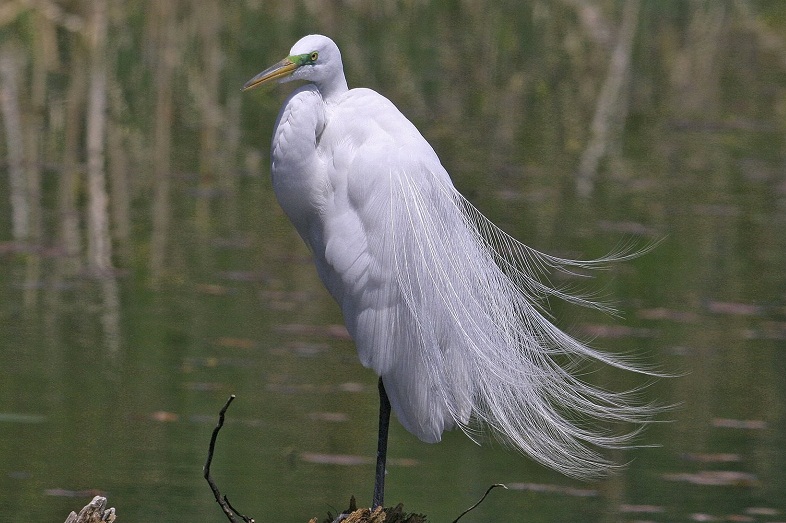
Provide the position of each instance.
(333, 88)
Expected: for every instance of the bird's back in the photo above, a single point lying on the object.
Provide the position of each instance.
(384, 184)
(440, 302)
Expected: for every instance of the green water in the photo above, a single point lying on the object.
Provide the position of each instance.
(112, 384)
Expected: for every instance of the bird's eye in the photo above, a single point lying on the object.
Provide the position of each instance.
(314, 56)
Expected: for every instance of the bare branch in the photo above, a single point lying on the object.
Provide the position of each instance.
(473, 507)
(228, 509)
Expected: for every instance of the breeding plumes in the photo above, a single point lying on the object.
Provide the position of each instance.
(444, 306)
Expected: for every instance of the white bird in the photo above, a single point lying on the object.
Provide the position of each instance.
(444, 306)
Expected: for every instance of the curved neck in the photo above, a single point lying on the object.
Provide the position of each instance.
(333, 87)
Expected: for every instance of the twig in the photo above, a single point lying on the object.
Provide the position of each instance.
(228, 509)
(473, 507)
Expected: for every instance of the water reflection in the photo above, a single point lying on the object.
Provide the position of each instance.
(110, 314)
(111, 381)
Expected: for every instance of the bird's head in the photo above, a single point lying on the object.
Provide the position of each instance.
(314, 58)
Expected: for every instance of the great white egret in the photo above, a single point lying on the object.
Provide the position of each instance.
(443, 305)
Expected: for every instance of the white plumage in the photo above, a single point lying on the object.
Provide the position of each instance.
(441, 303)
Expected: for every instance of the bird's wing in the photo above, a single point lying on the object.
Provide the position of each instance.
(443, 304)
(375, 160)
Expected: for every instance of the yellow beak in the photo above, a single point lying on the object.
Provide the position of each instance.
(283, 68)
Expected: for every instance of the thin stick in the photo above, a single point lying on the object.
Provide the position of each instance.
(382, 446)
(228, 509)
(473, 507)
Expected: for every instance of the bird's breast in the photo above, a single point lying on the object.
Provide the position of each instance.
(298, 172)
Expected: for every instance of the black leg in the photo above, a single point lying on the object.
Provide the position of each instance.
(382, 446)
